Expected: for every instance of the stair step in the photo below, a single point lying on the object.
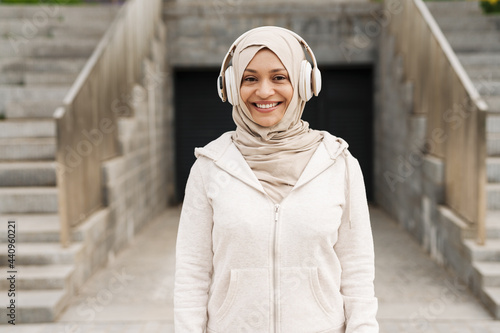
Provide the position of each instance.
(46, 254)
(31, 109)
(488, 252)
(493, 103)
(36, 306)
(21, 71)
(95, 31)
(493, 217)
(25, 174)
(493, 144)
(13, 64)
(24, 27)
(488, 87)
(453, 8)
(25, 200)
(492, 295)
(34, 228)
(13, 149)
(11, 78)
(74, 13)
(492, 228)
(493, 224)
(47, 47)
(45, 78)
(467, 23)
(493, 169)
(59, 65)
(27, 128)
(465, 41)
(54, 27)
(493, 196)
(493, 123)
(489, 272)
(481, 73)
(10, 94)
(480, 58)
(40, 277)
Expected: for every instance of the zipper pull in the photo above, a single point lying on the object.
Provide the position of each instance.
(276, 212)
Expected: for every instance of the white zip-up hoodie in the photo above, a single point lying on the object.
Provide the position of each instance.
(246, 264)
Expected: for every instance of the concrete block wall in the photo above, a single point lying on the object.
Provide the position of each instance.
(94, 240)
(339, 32)
(138, 183)
(409, 184)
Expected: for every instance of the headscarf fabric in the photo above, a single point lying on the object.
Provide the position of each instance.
(277, 154)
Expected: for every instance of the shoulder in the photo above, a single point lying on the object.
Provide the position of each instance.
(214, 149)
(335, 145)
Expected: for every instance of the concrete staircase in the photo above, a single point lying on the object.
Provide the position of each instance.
(42, 50)
(475, 38)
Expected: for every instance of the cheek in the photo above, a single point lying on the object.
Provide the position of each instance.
(244, 94)
(288, 94)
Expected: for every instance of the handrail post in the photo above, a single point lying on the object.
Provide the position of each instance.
(482, 177)
(64, 231)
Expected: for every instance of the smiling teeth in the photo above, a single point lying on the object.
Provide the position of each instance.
(266, 106)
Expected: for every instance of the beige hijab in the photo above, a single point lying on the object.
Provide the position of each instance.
(277, 154)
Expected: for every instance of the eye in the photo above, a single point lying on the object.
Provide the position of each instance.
(249, 79)
(280, 77)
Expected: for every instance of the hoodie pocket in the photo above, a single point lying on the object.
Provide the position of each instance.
(305, 306)
(245, 307)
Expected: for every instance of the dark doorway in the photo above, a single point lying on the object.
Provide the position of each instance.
(343, 108)
(200, 117)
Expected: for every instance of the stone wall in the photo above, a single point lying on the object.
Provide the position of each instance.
(200, 32)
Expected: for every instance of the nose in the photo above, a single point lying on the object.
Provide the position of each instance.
(265, 89)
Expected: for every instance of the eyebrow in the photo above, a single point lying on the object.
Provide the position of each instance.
(271, 71)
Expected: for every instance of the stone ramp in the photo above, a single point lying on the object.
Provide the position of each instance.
(42, 50)
(475, 38)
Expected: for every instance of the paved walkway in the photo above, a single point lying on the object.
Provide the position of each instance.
(415, 294)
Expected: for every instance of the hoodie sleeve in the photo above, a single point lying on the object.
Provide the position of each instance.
(356, 254)
(193, 268)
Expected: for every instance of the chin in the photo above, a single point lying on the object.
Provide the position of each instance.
(267, 122)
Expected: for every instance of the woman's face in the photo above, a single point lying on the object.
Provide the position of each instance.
(266, 88)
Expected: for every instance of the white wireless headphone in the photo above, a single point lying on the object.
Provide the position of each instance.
(309, 77)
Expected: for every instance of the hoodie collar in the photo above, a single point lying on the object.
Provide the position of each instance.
(325, 156)
(227, 157)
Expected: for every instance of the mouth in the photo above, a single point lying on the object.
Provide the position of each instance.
(266, 107)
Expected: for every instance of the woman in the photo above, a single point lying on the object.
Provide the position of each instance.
(274, 233)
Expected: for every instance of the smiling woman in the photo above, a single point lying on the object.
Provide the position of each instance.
(275, 233)
(266, 88)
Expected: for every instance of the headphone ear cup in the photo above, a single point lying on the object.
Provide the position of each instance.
(305, 87)
(316, 81)
(231, 89)
(220, 88)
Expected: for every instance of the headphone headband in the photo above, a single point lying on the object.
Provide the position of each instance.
(230, 53)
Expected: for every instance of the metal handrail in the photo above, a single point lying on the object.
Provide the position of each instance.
(87, 122)
(444, 92)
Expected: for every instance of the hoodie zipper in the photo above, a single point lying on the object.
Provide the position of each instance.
(275, 278)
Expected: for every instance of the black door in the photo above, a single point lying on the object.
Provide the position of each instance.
(343, 108)
(200, 117)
